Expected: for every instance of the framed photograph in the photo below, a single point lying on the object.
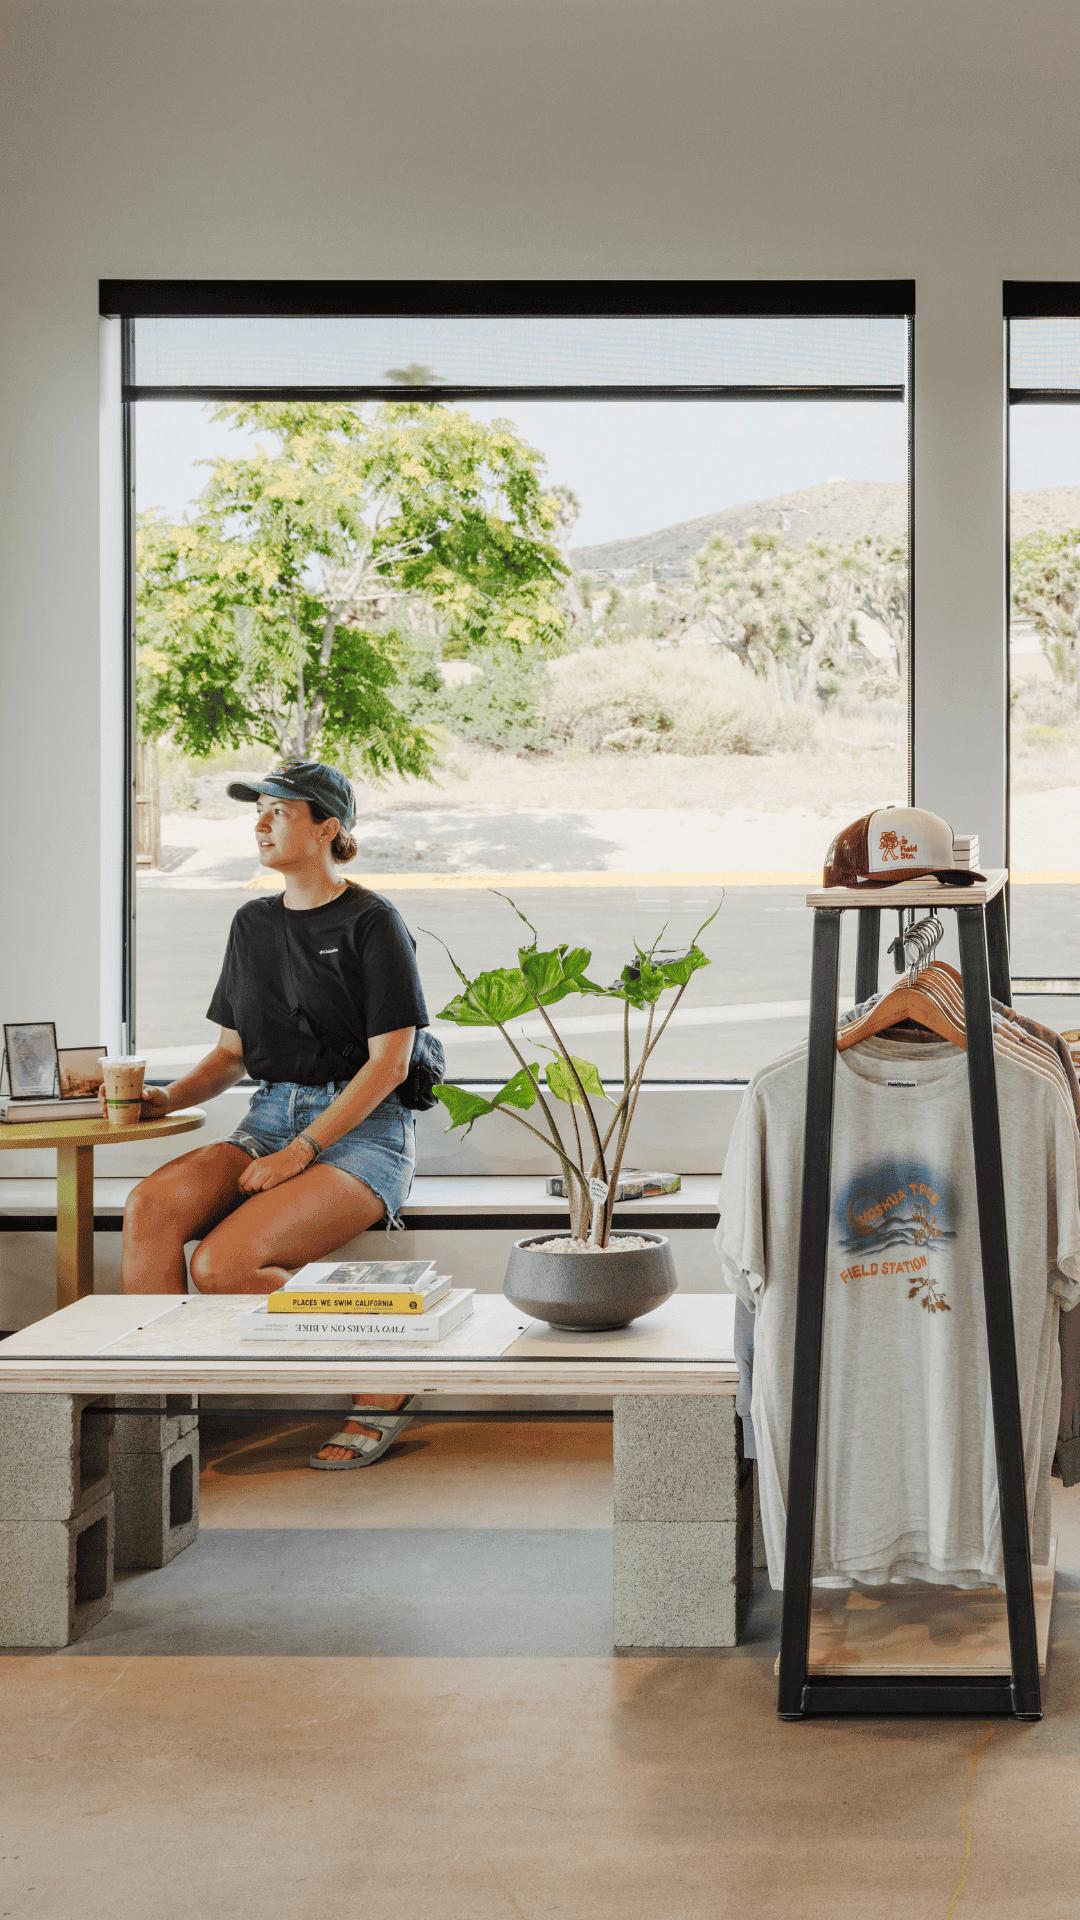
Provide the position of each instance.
(80, 1071)
(31, 1059)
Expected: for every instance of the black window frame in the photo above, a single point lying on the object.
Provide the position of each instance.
(131, 300)
(1030, 300)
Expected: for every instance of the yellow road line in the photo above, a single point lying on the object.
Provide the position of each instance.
(737, 877)
(399, 882)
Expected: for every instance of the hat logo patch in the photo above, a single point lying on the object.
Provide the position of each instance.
(896, 846)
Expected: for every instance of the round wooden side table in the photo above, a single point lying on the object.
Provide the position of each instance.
(73, 1142)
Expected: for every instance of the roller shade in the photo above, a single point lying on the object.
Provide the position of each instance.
(611, 338)
(1044, 356)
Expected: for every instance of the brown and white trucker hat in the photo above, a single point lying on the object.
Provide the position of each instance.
(893, 844)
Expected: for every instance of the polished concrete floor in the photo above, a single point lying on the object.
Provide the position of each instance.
(393, 1692)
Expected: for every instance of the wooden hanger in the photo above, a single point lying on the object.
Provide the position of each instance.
(905, 1002)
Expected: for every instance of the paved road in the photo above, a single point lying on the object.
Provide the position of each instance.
(759, 944)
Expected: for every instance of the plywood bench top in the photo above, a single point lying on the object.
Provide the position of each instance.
(684, 1346)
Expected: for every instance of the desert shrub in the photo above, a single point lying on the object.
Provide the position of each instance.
(1045, 739)
(633, 699)
(500, 706)
(1043, 703)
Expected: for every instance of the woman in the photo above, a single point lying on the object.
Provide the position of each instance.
(319, 1001)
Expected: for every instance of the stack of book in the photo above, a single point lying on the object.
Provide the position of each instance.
(361, 1300)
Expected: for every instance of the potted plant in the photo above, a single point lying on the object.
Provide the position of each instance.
(547, 1275)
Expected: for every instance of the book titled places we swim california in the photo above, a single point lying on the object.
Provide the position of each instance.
(430, 1326)
(361, 1300)
(362, 1286)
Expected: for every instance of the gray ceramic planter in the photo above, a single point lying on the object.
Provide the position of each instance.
(589, 1292)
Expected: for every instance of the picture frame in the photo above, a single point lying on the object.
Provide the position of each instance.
(79, 1071)
(31, 1053)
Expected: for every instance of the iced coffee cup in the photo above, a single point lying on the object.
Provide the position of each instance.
(123, 1077)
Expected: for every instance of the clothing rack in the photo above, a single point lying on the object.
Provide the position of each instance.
(984, 967)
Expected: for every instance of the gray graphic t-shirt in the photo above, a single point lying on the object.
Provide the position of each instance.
(907, 1480)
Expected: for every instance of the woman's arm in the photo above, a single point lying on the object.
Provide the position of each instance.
(386, 1067)
(220, 1069)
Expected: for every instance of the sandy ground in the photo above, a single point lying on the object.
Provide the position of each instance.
(496, 813)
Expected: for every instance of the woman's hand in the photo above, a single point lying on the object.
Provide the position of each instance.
(155, 1103)
(275, 1168)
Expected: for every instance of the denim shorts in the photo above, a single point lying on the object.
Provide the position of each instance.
(381, 1151)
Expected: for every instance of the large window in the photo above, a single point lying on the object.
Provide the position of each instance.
(617, 606)
(1044, 649)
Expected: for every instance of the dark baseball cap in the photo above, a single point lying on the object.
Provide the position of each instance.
(304, 780)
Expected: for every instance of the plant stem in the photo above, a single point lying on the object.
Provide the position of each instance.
(570, 1172)
(593, 1128)
(609, 1204)
(577, 1135)
(660, 1029)
(577, 1203)
(627, 1108)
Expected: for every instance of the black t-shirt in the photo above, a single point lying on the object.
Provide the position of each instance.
(354, 972)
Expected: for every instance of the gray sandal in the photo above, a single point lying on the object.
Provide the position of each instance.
(364, 1449)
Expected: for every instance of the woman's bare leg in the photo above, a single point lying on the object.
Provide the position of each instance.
(258, 1249)
(179, 1202)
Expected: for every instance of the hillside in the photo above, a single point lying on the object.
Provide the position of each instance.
(840, 510)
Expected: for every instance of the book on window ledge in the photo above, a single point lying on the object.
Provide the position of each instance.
(430, 1327)
(632, 1185)
(362, 1286)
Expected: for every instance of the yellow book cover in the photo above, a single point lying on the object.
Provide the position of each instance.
(353, 1302)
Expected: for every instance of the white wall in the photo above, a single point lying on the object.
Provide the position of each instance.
(490, 138)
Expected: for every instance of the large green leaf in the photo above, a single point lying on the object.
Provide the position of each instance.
(574, 961)
(463, 1014)
(542, 972)
(489, 1000)
(562, 1084)
(462, 1106)
(677, 972)
(465, 1107)
(520, 1090)
(500, 994)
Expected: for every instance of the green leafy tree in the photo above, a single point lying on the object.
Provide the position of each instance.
(1044, 573)
(279, 612)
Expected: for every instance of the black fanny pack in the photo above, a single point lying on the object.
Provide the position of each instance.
(426, 1068)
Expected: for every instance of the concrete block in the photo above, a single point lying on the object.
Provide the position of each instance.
(676, 1584)
(176, 1415)
(676, 1457)
(157, 1503)
(56, 1576)
(56, 1454)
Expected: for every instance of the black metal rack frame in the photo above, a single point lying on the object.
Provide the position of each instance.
(984, 967)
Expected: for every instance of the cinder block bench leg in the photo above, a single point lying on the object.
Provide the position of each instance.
(684, 1522)
(56, 1517)
(156, 1478)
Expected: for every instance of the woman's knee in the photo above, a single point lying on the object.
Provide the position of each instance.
(211, 1268)
(149, 1209)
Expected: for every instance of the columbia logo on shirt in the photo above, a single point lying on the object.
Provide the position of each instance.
(323, 950)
